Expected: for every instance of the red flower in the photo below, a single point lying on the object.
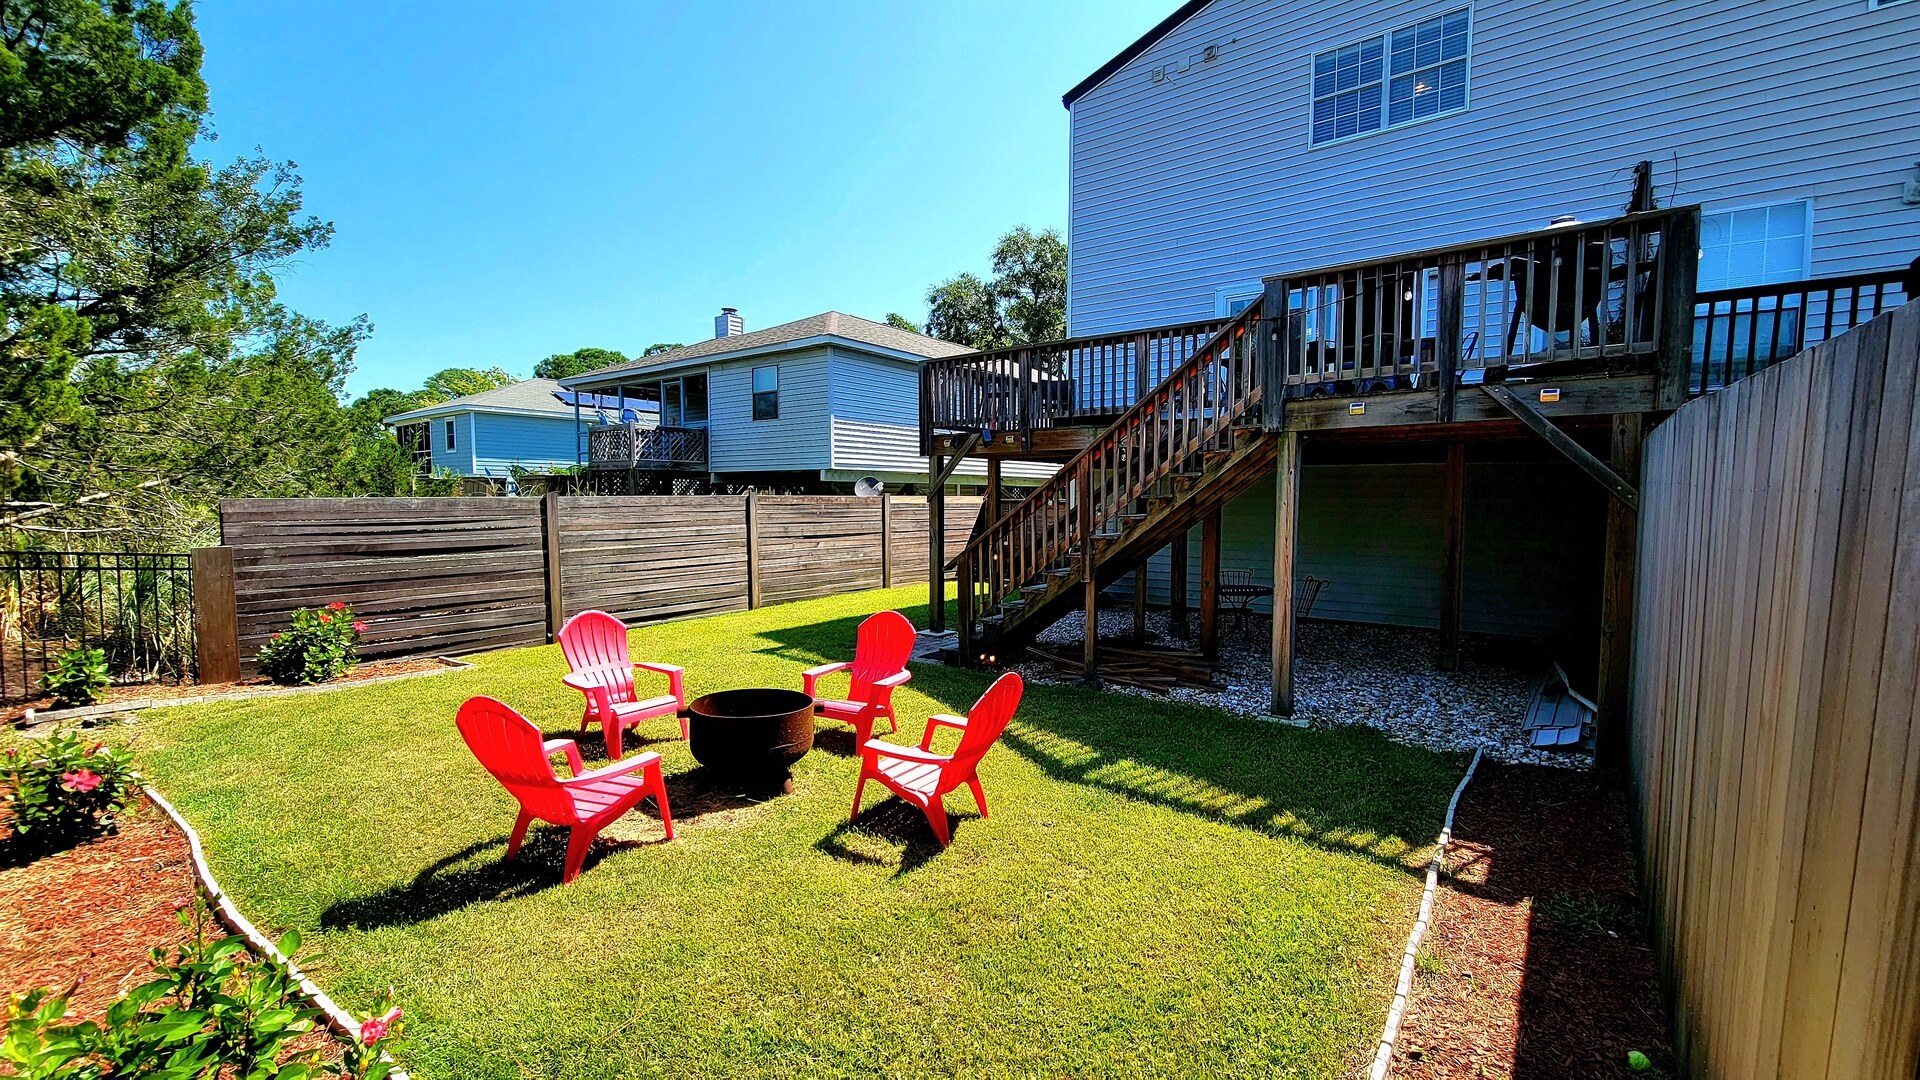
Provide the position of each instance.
(94, 749)
(372, 1031)
(337, 606)
(359, 627)
(82, 780)
(324, 617)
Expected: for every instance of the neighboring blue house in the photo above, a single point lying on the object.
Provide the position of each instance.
(486, 435)
(813, 405)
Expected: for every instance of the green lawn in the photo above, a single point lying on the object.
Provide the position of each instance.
(1162, 889)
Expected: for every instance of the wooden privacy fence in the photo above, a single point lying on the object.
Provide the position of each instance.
(1776, 744)
(460, 575)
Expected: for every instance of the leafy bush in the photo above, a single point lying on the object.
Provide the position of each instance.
(320, 645)
(68, 790)
(214, 1010)
(79, 677)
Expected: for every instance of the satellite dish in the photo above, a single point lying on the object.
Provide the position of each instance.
(868, 487)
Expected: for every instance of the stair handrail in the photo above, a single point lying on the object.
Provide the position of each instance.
(1247, 385)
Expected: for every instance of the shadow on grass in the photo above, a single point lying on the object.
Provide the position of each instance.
(476, 874)
(891, 823)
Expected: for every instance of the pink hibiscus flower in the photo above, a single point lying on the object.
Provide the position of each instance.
(359, 627)
(372, 1031)
(81, 780)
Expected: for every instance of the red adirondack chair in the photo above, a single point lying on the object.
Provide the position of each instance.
(595, 645)
(923, 777)
(509, 746)
(881, 649)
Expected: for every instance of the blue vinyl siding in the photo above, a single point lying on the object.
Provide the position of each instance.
(1733, 102)
(502, 440)
(796, 440)
(458, 460)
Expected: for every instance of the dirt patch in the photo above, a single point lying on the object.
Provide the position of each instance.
(91, 915)
(165, 692)
(1536, 964)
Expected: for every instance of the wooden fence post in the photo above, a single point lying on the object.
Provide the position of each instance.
(216, 621)
(886, 541)
(753, 550)
(550, 553)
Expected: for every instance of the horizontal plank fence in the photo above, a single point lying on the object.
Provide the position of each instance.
(465, 574)
(1776, 759)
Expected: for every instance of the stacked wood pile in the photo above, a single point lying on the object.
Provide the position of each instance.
(1143, 667)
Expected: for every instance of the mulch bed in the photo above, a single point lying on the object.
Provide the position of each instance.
(1536, 964)
(91, 915)
(44, 710)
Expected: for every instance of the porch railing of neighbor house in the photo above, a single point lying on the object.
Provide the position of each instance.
(1588, 293)
(1191, 410)
(645, 446)
(1740, 331)
(1082, 381)
(135, 607)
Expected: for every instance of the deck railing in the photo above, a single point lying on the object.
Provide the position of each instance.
(1740, 331)
(1587, 293)
(1191, 410)
(1083, 381)
(644, 446)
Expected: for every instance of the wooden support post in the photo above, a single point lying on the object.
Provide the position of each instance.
(1089, 578)
(1453, 520)
(1286, 529)
(753, 550)
(993, 490)
(1177, 585)
(550, 547)
(936, 547)
(216, 619)
(886, 541)
(1210, 585)
(1613, 727)
(1452, 316)
(1679, 276)
(1140, 602)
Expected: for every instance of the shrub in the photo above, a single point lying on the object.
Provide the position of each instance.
(320, 645)
(213, 1009)
(79, 677)
(69, 790)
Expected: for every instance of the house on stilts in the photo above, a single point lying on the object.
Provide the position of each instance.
(1389, 294)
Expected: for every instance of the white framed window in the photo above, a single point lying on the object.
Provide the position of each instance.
(449, 434)
(1231, 300)
(1756, 245)
(1875, 4)
(766, 392)
(1408, 74)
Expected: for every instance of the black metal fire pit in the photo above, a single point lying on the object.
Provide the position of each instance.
(750, 738)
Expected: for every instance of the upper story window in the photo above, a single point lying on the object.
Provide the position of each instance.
(449, 434)
(1411, 73)
(766, 392)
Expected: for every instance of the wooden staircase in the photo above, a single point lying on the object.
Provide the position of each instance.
(1182, 451)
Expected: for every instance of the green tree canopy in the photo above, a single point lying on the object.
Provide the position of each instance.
(901, 322)
(577, 362)
(659, 347)
(1025, 301)
(453, 382)
(140, 334)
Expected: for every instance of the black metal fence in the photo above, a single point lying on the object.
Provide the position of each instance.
(1737, 332)
(137, 608)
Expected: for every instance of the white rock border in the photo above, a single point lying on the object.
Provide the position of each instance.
(114, 708)
(339, 1019)
(1383, 1057)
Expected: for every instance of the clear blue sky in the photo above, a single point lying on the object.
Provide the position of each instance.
(513, 180)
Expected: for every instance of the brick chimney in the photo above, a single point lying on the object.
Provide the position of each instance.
(728, 323)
